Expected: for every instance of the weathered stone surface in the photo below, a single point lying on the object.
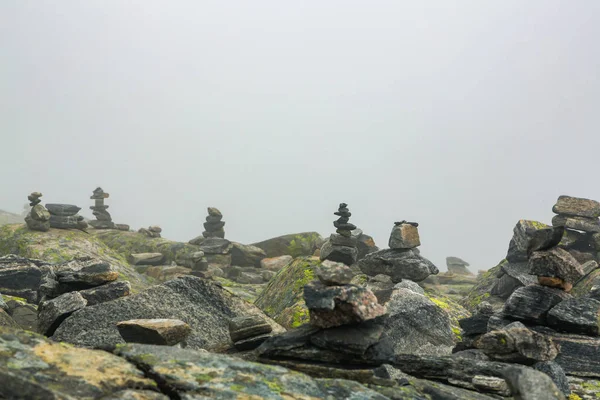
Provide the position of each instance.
(249, 278)
(532, 303)
(246, 255)
(342, 254)
(577, 207)
(241, 328)
(85, 271)
(556, 263)
(39, 213)
(107, 292)
(35, 225)
(21, 277)
(415, 325)
(146, 258)
(516, 343)
(556, 373)
(404, 236)
(524, 233)
(529, 384)
(74, 222)
(410, 285)
(589, 266)
(200, 303)
(591, 225)
(122, 227)
(295, 245)
(53, 312)
(398, 264)
(512, 276)
(136, 395)
(7, 320)
(340, 240)
(331, 306)
(579, 315)
(475, 325)
(215, 245)
(579, 355)
(166, 332)
(334, 273)
(62, 210)
(275, 263)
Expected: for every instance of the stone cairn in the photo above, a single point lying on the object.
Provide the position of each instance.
(341, 246)
(64, 216)
(38, 219)
(214, 248)
(457, 266)
(103, 218)
(152, 231)
(214, 225)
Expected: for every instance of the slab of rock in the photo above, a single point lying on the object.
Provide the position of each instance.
(558, 264)
(246, 255)
(336, 253)
(579, 315)
(85, 271)
(146, 258)
(474, 325)
(404, 236)
(556, 373)
(529, 384)
(202, 304)
(577, 207)
(62, 210)
(53, 312)
(248, 326)
(21, 277)
(334, 273)
(107, 292)
(25, 315)
(276, 263)
(216, 245)
(532, 303)
(591, 225)
(524, 234)
(579, 355)
(339, 240)
(165, 332)
(398, 264)
(331, 306)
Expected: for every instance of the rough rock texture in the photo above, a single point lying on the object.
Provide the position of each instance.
(482, 289)
(63, 210)
(333, 273)
(21, 277)
(282, 298)
(337, 253)
(295, 245)
(398, 264)
(410, 285)
(58, 246)
(556, 373)
(577, 207)
(331, 306)
(165, 332)
(512, 276)
(246, 255)
(53, 312)
(416, 325)
(532, 303)
(275, 263)
(524, 234)
(85, 272)
(365, 243)
(247, 327)
(580, 315)
(556, 263)
(108, 292)
(579, 355)
(529, 384)
(591, 225)
(202, 304)
(457, 266)
(146, 258)
(216, 245)
(6, 320)
(32, 367)
(25, 315)
(404, 236)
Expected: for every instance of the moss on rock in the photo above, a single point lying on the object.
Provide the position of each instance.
(481, 290)
(455, 311)
(282, 299)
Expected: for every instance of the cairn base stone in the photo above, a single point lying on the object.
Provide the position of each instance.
(342, 254)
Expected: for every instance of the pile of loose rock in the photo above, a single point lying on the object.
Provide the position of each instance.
(152, 232)
(103, 218)
(38, 219)
(64, 216)
(341, 246)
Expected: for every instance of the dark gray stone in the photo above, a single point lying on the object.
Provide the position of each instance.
(215, 245)
(108, 292)
(164, 332)
(246, 255)
(74, 222)
(342, 254)
(340, 240)
(146, 258)
(53, 312)
(474, 325)
(556, 263)
(532, 303)
(556, 373)
(398, 264)
(410, 285)
(578, 315)
(524, 233)
(245, 327)
(591, 225)
(529, 384)
(85, 272)
(62, 210)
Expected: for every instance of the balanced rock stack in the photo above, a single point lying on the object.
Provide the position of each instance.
(341, 246)
(103, 218)
(38, 219)
(214, 226)
(457, 266)
(402, 260)
(580, 217)
(64, 216)
(152, 231)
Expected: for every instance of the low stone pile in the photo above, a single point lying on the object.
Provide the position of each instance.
(38, 219)
(402, 260)
(341, 246)
(152, 231)
(64, 216)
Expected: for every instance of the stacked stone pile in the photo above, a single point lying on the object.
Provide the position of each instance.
(216, 249)
(580, 218)
(38, 219)
(341, 246)
(152, 231)
(99, 209)
(457, 266)
(64, 216)
(214, 226)
(402, 260)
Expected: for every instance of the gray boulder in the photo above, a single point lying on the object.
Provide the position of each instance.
(215, 245)
(529, 384)
(579, 315)
(591, 225)
(398, 264)
(532, 303)
(246, 255)
(53, 312)
(62, 210)
(107, 292)
(202, 304)
(164, 332)
(555, 268)
(556, 373)
(337, 253)
(410, 285)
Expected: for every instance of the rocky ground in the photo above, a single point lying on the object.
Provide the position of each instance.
(116, 314)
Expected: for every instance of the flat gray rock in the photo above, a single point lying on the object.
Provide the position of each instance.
(577, 207)
(579, 315)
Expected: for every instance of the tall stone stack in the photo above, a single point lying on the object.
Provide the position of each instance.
(341, 246)
(38, 219)
(64, 216)
(103, 218)
(580, 218)
(214, 226)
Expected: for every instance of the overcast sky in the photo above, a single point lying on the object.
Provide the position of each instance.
(465, 116)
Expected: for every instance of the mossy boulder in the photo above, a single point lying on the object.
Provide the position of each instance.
(283, 299)
(482, 289)
(248, 292)
(61, 245)
(127, 243)
(295, 245)
(455, 311)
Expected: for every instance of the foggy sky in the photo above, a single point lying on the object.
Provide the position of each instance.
(464, 116)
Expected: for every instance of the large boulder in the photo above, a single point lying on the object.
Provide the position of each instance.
(202, 304)
(245, 255)
(295, 245)
(282, 298)
(398, 264)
